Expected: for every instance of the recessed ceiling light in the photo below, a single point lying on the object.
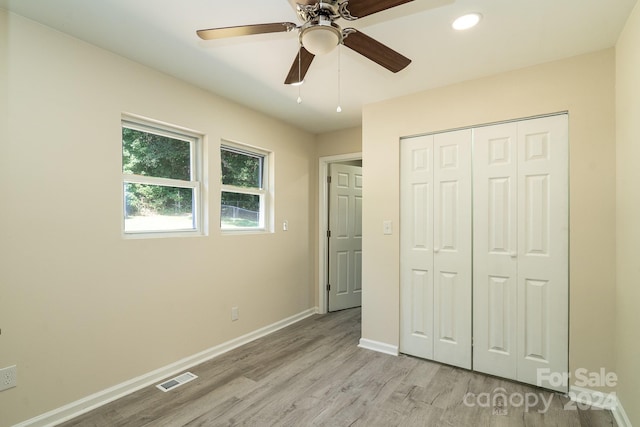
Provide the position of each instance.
(466, 21)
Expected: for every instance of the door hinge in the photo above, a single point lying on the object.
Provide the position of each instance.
(328, 179)
(328, 233)
(328, 287)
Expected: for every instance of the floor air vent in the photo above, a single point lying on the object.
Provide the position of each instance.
(176, 382)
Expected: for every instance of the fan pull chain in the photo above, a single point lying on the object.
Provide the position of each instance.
(339, 109)
(299, 100)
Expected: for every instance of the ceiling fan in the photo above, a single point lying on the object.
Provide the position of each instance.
(320, 34)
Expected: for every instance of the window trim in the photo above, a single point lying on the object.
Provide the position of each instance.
(196, 146)
(265, 192)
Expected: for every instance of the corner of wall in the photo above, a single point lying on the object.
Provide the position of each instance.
(627, 345)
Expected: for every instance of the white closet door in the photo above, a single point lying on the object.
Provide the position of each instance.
(435, 247)
(495, 228)
(520, 295)
(452, 248)
(416, 246)
(543, 248)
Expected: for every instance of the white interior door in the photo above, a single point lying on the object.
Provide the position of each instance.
(345, 241)
(521, 249)
(435, 246)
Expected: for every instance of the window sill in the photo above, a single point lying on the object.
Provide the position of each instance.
(240, 231)
(161, 234)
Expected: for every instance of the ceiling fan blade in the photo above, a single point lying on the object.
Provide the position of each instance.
(245, 30)
(375, 51)
(300, 66)
(360, 8)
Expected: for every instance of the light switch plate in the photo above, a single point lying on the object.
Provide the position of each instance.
(387, 227)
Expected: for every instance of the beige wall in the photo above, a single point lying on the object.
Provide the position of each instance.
(584, 86)
(82, 308)
(345, 141)
(628, 215)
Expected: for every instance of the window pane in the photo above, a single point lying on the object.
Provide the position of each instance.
(239, 210)
(148, 154)
(241, 170)
(158, 208)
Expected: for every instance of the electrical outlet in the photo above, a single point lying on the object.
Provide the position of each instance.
(8, 377)
(235, 314)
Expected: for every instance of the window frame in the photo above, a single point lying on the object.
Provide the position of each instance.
(265, 193)
(196, 142)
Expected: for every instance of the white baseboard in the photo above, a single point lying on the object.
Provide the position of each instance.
(103, 397)
(601, 400)
(380, 347)
(593, 398)
(621, 416)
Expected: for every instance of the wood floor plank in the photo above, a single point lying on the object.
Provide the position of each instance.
(313, 374)
(281, 388)
(219, 400)
(422, 373)
(280, 395)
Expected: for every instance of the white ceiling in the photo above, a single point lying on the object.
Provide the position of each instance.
(251, 69)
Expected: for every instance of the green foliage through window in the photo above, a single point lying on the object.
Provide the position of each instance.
(243, 170)
(155, 155)
(148, 154)
(160, 183)
(145, 199)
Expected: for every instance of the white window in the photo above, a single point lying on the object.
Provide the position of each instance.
(245, 188)
(161, 178)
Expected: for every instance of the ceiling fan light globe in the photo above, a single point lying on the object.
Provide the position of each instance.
(320, 40)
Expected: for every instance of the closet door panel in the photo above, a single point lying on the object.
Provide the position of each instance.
(416, 246)
(495, 249)
(452, 248)
(543, 224)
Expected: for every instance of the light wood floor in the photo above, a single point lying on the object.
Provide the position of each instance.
(313, 373)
